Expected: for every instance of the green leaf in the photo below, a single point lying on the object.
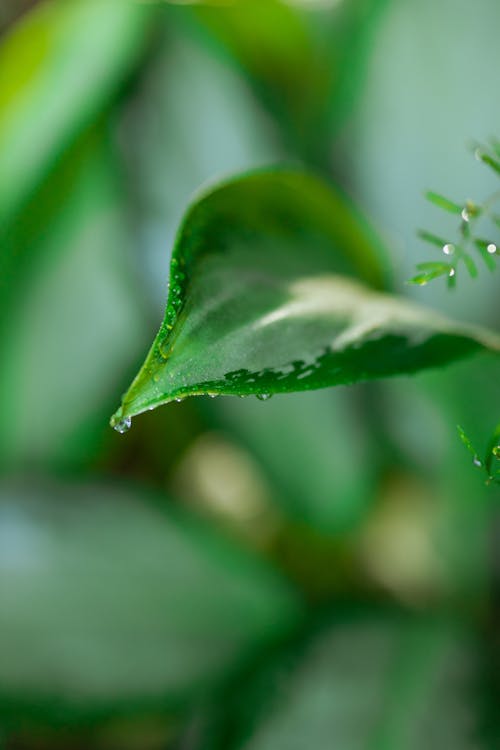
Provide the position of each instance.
(432, 239)
(262, 301)
(305, 66)
(311, 462)
(484, 247)
(466, 441)
(58, 67)
(442, 202)
(110, 601)
(493, 455)
(381, 681)
(486, 158)
(432, 270)
(470, 265)
(69, 324)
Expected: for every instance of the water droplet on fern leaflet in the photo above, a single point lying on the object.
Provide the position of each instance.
(477, 462)
(264, 396)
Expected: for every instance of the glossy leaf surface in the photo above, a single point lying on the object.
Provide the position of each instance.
(262, 300)
(109, 599)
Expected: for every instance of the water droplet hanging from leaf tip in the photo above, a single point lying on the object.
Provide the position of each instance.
(123, 425)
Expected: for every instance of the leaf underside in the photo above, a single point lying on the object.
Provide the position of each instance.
(274, 288)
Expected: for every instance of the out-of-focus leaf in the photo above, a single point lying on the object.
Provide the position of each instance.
(109, 601)
(314, 462)
(304, 66)
(173, 143)
(70, 322)
(368, 681)
(444, 203)
(58, 67)
(261, 302)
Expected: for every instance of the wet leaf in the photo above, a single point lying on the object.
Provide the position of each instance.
(265, 298)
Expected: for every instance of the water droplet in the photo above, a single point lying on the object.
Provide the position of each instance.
(123, 425)
(178, 400)
(452, 272)
(491, 248)
(213, 395)
(496, 451)
(448, 249)
(477, 461)
(264, 396)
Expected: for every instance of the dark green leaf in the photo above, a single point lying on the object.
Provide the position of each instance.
(110, 600)
(262, 301)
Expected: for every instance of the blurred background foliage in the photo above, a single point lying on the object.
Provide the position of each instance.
(315, 571)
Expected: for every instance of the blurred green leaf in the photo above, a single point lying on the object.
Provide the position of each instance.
(314, 463)
(70, 320)
(304, 62)
(488, 252)
(261, 302)
(110, 601)
(489, 160)
(441, 202)
(59, 65)
(369, 681)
